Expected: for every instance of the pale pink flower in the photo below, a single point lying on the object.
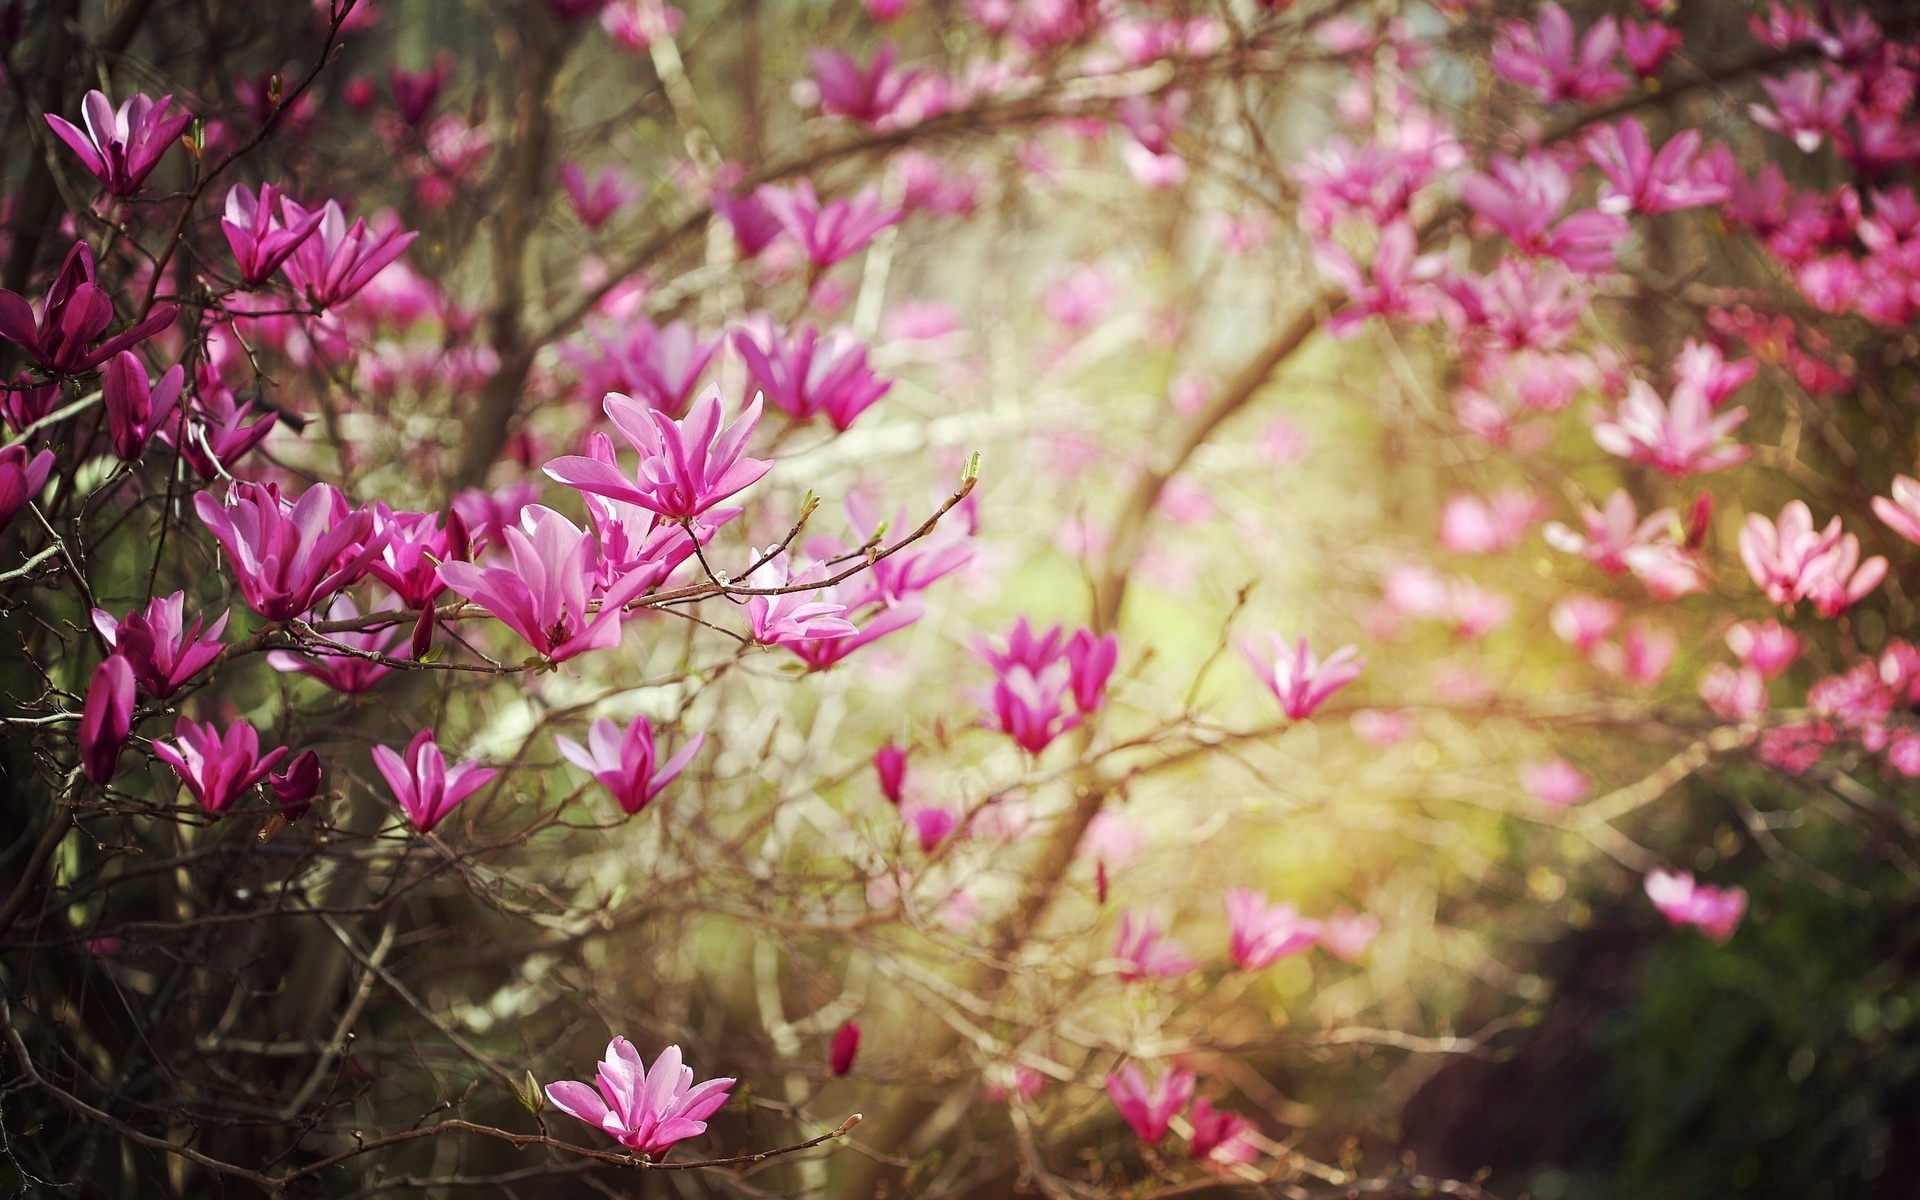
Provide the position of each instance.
(1702, 366)
(1901, 513)
(1145, 952)
(425, 786)
(1643, 655)
(1149, 1109)
(1080, 298)
(1347, 934)
(1582, 621)
(795, 616)
(1555, 782)
(624, 763)
(1735, 693)
(1382, 727)
(1683, 436)
(1298, 680)
(1476, 611)
(1767, 646)
(1261, 934)
(1715, 911)
(1470, 525)
(645, 1111)
(1792, 562)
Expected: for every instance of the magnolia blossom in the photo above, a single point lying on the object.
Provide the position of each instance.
(106, 719)
(1347, 934)
(1902, 512)
(337, 261)
(793, 616)
(1148, 1109)
(810, 375)
(890, 764)
(1549, 58)
(1791, 561)
(1219, 1136)
(867, 94)
(1394, 286)
(136, 408)
(686, 467)
(347, 673)
(846, 1045)
(1767, 646)
(645, 1111)
(1555, 782)
(596, 202)
(545, 596)
(830, 232)
(425, 786)
(931, 823)
(296, 787)
(1297, 679)
(1642, 655)
(1715, 911)
(216, 768)
(1639, 180)
(21, 478)
(1263, 934)
(1144, 951)
(624, 761)
(1470, 525)
(163, 651)
(121, 147)
(1582, 621)
(1683, 436)
(76, 312)
(1735, 693)
(288, 557)
(260, 239)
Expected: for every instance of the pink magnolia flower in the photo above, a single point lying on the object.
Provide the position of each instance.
(890, 764)
(1808, 106)
(1347, 934)
(830, 232)
(686, 467)
(217, 769)
(75, 312)
(289, 557)
(1219, 1136)
(1397, 287)
(1149, 1109)
(425, 786)
(867, 94)
(1028, 705)
(624, 761)
(1646, 46)
(1681, 437)
(1901, 512)
(660, 365)
(1767, 646)
(1144, 951)
(1583, 621)
(1638, 180)
(1091, 662)
(296, 787)
(1297, 679)
(795, 616)
(845, 1047)
(121, 147)
(135, 408)
(633, 25)
(1382, 727)
(1736, 694)
(1791, 562)
(337, 261)
(823, 652)
(1524, 198)
(413, 545)
(811, 375)
(161, 649)
(544, 596)
(1555, 782)
(1643, 655)
(931, 823)
(1616, 540)
(1470, 525)
(754, 225)
(1079, 298)
(597, 201)
(214, 433)
(106, 719)
(645, 1111)
(1549, 59)
(1476, 611)
(260, 240)
(1701, 366)
(348, 674)
(1261, 934)
(21, 479)
(1715, 911)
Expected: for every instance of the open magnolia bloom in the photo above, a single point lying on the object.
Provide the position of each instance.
(647, 1111)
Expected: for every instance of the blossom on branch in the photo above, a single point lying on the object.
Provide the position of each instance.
(121, 147)
(623, 761)
(1148, 1109)
(645, 1111)
(288, 557)
(163, 651)
(686, 467)
(217, 769)
(425, 786)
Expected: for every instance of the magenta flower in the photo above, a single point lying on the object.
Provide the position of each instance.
(1028, 706)
(217, 769)
(645, 1111)
(636, 542)
(791, 617)
(624, 762)
(135, 408)
(545, 595)
(1647, 183)
(1091, 661)
(1808, 106)
(867, 94)
(890, 764)
(829, 232)
(290, 557)
(261, 240)
(1610, 533)
(846, 1044)
(296, 787)
(1767, 646)
(753, 223)
(1523, 200)
(1149, 1109)
(121, 147)
(1681, 437)
(1219, 1136)
(824, 652)
(1261, 934)
(348, 674)
(413, 545)
(1398, 283)
(597, 201)
(931, 823)
(76, 311)
(811, 375)
(1549, 59)
(26, 400)
(1715, 911)
(163, 651)
(1555, 782)
(21, 479)
(660, 365)
(333, 264)
(216, 434)
(1791, 562)
(106, 719)
(1297, 679)
(1582, 621)
(1144, 951)
(686, 467)
(415, 91)
(1646, 46)
(425, 786)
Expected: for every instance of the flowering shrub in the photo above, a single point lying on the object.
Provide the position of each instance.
(535, 411)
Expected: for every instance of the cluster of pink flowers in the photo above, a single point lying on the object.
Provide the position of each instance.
(1038, 676)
